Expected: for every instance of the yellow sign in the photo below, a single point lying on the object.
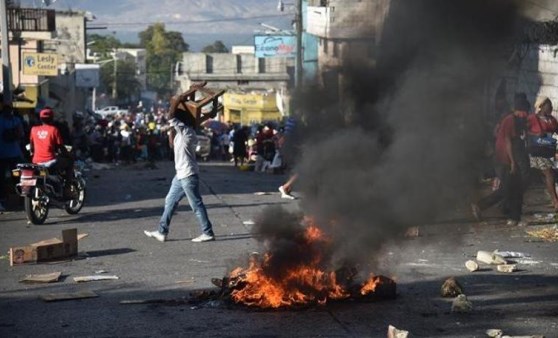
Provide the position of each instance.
(45, 64)
(250, 101)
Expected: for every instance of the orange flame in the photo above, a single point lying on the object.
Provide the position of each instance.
(304, 283)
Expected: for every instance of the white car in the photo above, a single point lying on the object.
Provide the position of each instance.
(111, 111)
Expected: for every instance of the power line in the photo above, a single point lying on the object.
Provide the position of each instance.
(192, 22)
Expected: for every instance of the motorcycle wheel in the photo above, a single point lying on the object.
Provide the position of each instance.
(36, 206)
(74, 205)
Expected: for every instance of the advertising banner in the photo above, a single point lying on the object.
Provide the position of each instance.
(275, 46)
(44, 64)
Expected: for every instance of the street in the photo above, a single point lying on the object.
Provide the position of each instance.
(124, 201)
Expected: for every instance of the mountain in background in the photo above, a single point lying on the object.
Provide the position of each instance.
(200, 21)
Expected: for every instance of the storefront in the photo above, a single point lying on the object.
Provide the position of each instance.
(252, 107)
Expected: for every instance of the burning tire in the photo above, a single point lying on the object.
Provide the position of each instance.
(36, 206)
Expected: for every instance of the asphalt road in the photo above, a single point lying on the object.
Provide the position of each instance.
(123, 202)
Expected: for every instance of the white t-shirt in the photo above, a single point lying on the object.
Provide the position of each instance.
(185, 143)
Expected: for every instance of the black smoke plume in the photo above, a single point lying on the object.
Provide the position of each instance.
(405, 143)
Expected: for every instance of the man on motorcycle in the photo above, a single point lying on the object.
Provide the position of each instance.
(46, 141)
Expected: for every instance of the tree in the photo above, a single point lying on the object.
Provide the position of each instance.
(217, 47)
(127, 85)
(164, 49)
(103, 45)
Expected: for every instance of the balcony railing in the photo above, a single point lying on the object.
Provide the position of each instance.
(31, 20)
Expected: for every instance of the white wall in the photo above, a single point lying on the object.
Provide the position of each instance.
(537, 74)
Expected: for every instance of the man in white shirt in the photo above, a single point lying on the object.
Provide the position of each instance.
(183, 140)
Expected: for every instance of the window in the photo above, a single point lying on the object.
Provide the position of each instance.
(238, 64)
(261, 65)
(209, 64)
(326, 42)
(335, 49)
(242, 82)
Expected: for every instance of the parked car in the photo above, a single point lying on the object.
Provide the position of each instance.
(110, 111)
(203, 149)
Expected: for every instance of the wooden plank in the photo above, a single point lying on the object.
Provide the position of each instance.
(93, 278)
(47, 242)
(44, 278)
(53, 297)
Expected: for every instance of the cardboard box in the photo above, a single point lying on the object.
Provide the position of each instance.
(46, 250)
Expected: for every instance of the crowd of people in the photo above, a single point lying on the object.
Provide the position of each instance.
(142, 136)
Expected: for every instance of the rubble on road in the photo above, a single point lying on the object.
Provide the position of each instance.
(488, 257)
(548, 234)
(506, 268)
(394, 332)
(43, 278)
(53, 297)
(94, 278)
(471, 265)
(451, 288)
(461, 304)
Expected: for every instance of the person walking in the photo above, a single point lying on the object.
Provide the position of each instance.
(288, 136)
(542, 124)
(509, 148)
(186, 182)
(239, 139)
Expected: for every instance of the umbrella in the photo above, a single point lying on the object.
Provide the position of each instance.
(215, 125)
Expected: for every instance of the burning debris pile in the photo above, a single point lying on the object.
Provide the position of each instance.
(278, 280)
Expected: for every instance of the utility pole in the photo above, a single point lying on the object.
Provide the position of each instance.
(299, 51)
(6, 71)
(114, 69)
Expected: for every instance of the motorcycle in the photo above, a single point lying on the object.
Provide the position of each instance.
(40, 190)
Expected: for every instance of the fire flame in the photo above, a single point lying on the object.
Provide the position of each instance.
(303, 283)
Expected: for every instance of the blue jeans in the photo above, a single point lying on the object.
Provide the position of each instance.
(189, 187)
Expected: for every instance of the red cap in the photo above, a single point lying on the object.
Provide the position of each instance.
(46, 113)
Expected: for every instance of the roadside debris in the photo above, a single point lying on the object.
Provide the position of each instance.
(461, 304)
(43, 278)
(394, 332)
(490, 258)
(94, 278)
(549, 234)
(47, 250)
(497, 333)
(512, 254)
(262, 193)
(508, 268)
(451, 288)
(412, 232)
(494, 333)
(180, 301)
(248, 222)
(53, 297)
(472, 266)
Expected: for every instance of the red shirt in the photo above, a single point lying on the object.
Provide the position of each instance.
(45, 139)
(547, 124)
(505, 130)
